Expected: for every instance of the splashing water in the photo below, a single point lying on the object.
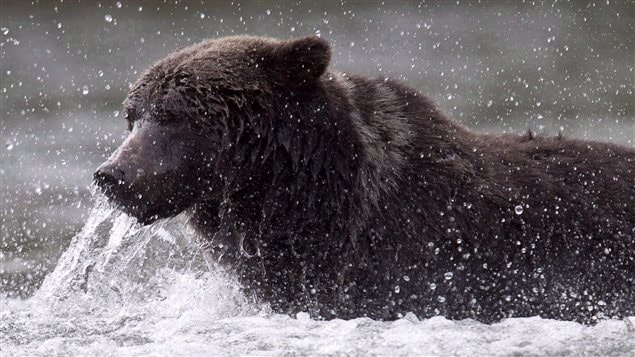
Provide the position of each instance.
(122, 284)
(125, 289)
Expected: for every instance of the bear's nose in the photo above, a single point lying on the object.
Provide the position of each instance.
(108, 176)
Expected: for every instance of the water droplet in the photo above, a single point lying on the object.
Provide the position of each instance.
(518, 209)
(449, 275)
(118, 4)
(397, 289)
(202, 15)
(9, 146)
(406, 278)
(108, 18)
(161, 293)
(100, 73)
(85, 90)
(433, 286)
(268, 12)
(441, 298)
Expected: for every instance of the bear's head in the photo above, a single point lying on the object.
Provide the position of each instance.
(193, 110)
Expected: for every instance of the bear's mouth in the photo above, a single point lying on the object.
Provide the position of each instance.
(127, 200)
(142, 204)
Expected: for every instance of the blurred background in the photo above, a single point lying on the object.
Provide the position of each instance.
(499, 66)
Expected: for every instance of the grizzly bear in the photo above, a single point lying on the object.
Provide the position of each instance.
(346, 196)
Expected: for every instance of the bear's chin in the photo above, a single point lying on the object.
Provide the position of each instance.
(146, 221)
(146, 218)
(147, 213)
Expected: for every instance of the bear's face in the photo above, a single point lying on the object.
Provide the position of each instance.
(158, 171)
(192, 110)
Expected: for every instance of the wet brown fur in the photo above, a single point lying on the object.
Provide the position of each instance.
(349, 196)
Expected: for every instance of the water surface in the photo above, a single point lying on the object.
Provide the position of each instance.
(121, 289)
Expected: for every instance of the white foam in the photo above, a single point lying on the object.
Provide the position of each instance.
(121, 289)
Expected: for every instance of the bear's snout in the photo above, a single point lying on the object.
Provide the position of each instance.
(108, 176)
(122, 188)
(142, 177)
(114, 182)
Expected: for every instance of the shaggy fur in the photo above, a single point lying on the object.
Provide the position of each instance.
(348, 196)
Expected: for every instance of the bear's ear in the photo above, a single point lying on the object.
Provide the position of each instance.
(301, 61)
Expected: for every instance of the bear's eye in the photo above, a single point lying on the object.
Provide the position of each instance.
(130, 118)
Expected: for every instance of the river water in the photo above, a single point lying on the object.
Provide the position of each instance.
(121, 289)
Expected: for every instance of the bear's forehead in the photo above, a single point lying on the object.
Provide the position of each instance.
(227, 50)
(225, 60)
(214, 63)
